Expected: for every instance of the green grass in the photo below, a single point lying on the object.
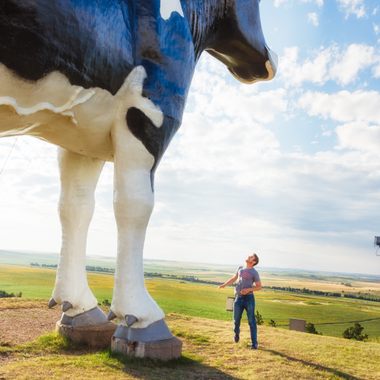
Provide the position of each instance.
(208, 301)
(208, 353)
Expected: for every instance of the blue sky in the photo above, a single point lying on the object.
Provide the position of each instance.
(289, 169)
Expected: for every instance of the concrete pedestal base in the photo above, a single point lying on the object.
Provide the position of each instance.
(97, 336)
(161, 349)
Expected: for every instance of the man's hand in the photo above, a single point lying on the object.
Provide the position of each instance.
(246, 291)
(221, 286)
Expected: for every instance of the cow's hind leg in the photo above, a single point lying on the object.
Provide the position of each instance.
(79, 176)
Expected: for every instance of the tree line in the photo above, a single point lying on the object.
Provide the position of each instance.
(91, 268)
(188, 278)
(360, 296)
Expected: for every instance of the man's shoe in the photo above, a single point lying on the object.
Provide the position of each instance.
(236, 338)
(254, 346)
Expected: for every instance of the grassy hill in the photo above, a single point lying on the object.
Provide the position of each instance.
(208, 353)
(331, 316)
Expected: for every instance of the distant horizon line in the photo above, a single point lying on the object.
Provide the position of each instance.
(286, 269)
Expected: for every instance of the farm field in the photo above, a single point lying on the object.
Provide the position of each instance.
(329, 282)
(331, 316)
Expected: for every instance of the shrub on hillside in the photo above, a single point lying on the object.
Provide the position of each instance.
(272, 323)
(106, 302)
(355, 332)
(4, 294)
(310, 328)
(259, 318)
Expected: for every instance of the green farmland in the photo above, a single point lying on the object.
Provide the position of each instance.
(331, 316)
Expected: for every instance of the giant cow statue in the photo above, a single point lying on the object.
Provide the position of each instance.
(107, 81)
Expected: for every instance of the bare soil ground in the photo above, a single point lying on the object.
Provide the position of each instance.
(23, 321)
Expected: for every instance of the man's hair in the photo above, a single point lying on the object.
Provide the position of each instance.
(257, 259)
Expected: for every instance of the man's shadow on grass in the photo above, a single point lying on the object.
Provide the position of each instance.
(316, 366)
(182, 368)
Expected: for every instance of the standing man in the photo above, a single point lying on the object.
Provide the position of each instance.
(248, 281)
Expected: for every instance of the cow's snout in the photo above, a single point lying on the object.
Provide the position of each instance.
(240, 44)
(262, 67)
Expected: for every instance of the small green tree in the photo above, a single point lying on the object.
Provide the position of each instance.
(355, 332)
(259, 318)
(310, 328)
(272, 323)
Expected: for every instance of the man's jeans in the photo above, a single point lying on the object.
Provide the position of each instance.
(246, 302)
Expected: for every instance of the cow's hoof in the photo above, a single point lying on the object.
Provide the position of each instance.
(90, 328)
(154, 341)
(91, 317)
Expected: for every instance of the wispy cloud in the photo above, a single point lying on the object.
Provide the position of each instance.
(353, 7)
(313, 18)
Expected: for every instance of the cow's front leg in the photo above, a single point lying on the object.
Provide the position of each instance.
(142, 320)
(79, 176)
(133, 204)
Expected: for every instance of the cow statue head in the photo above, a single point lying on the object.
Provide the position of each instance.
(236, 39)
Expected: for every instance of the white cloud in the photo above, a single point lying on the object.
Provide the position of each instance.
(278, 3)
(376, 71)
(359, 136)
(319, 3)
(343, 106)
(352, 7)
(332, 63)
(313, 18)
(349, 63)
(313, 70)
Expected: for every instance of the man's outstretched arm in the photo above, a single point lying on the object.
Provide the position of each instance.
(229, 281)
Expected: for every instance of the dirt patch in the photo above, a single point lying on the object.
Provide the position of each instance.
(21, 325)
(291, 302)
